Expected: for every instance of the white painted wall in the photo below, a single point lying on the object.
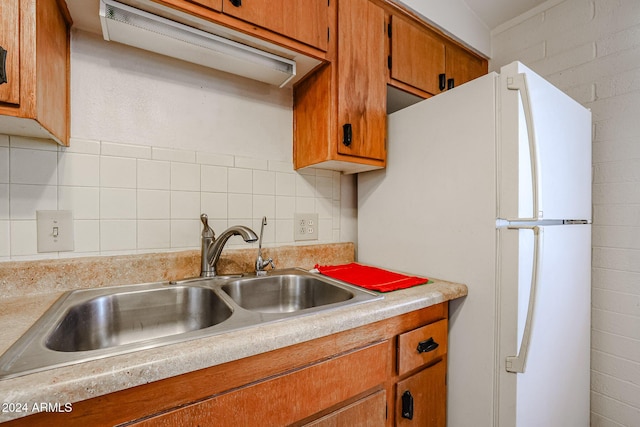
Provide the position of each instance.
(155, 142)
(591, 50)
(455, 18)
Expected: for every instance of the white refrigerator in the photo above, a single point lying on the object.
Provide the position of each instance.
(489, 184)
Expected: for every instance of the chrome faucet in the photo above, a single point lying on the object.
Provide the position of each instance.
(262, 263)
(212, 247)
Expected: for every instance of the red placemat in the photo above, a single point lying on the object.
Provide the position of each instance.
(372, 278)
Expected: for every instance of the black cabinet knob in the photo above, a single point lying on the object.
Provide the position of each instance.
(427, 345)
(347, 134)
(3, 65)
(407, 405)
(442, 81)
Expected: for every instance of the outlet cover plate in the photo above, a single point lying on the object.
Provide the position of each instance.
(305, 226)
(55, 231)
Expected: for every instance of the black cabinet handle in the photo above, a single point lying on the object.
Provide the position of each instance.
(236, 3)
(347, 134)
(407, 405)
(450, 84)
(427, 345)
(442, 81)
(3, 65)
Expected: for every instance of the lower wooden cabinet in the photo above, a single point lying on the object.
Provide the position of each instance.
(369, 411)
(352, 378)
(287, 398)
(421, 398)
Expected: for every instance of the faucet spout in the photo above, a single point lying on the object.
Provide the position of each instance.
(261, 263)
(212, 248)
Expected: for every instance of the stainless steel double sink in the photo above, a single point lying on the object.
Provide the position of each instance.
(95, 323)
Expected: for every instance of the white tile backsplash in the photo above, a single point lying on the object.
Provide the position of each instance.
(285, 184)
(240, 206)
(185, 176)
(78, 169)
(23, 238)
(185, 233)
(4, 165)
(214, 205)
(185, 204)
(4, 201)
(214, 159)
(213, 178)
(25, 200)
(173, 155)
(4, 239)
(33, 166)
(86, 235)
(117, 235)
(154, 174)
(264, 206)
(248, 163)
(264, 182)
(125, 150)
(83, 201)
(305, 185)
(154, 204)
(240, 181)
(154, 234)
(132, 198)
(117, 203)
(119, 172)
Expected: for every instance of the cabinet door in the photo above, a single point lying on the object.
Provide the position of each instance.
(287, 398)
(361, 80)
(417, 56)
(302, 20)
(10, 43)
(463, 66)
(421, 398)
(211, 4)
(369, 411)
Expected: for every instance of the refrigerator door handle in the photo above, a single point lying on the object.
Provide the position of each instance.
(519, 82)
(516, 364)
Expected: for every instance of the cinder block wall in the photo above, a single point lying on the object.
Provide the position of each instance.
(591, 50)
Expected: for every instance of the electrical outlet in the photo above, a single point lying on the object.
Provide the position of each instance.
(305, 226)
(55, 231)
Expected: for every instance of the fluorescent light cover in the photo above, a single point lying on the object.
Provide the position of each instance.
(144, 30)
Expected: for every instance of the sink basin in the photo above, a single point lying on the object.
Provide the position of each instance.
(284, 293)
(90, 324)
(129, 317)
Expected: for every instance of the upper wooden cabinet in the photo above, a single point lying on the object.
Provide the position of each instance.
(340, 111)
(302, 20)
(417, 56)
(10, 52)
(463, 65)
(424, 62)
(34, 95)
(211, 4)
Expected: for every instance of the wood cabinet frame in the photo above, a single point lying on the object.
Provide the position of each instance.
(163, 396)
(38, 103)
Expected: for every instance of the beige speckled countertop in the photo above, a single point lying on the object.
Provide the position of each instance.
(90, 379)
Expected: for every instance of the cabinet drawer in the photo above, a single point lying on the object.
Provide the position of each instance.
(422, 346)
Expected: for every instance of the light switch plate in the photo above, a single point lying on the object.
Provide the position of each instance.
(305, 226)
(55, 231)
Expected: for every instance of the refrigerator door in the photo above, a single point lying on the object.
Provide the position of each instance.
(553, 390)
(432, 212)
(547, 173)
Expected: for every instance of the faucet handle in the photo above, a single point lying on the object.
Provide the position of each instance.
(206, 230)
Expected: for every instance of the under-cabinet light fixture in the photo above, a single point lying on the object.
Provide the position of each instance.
(144, 30)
